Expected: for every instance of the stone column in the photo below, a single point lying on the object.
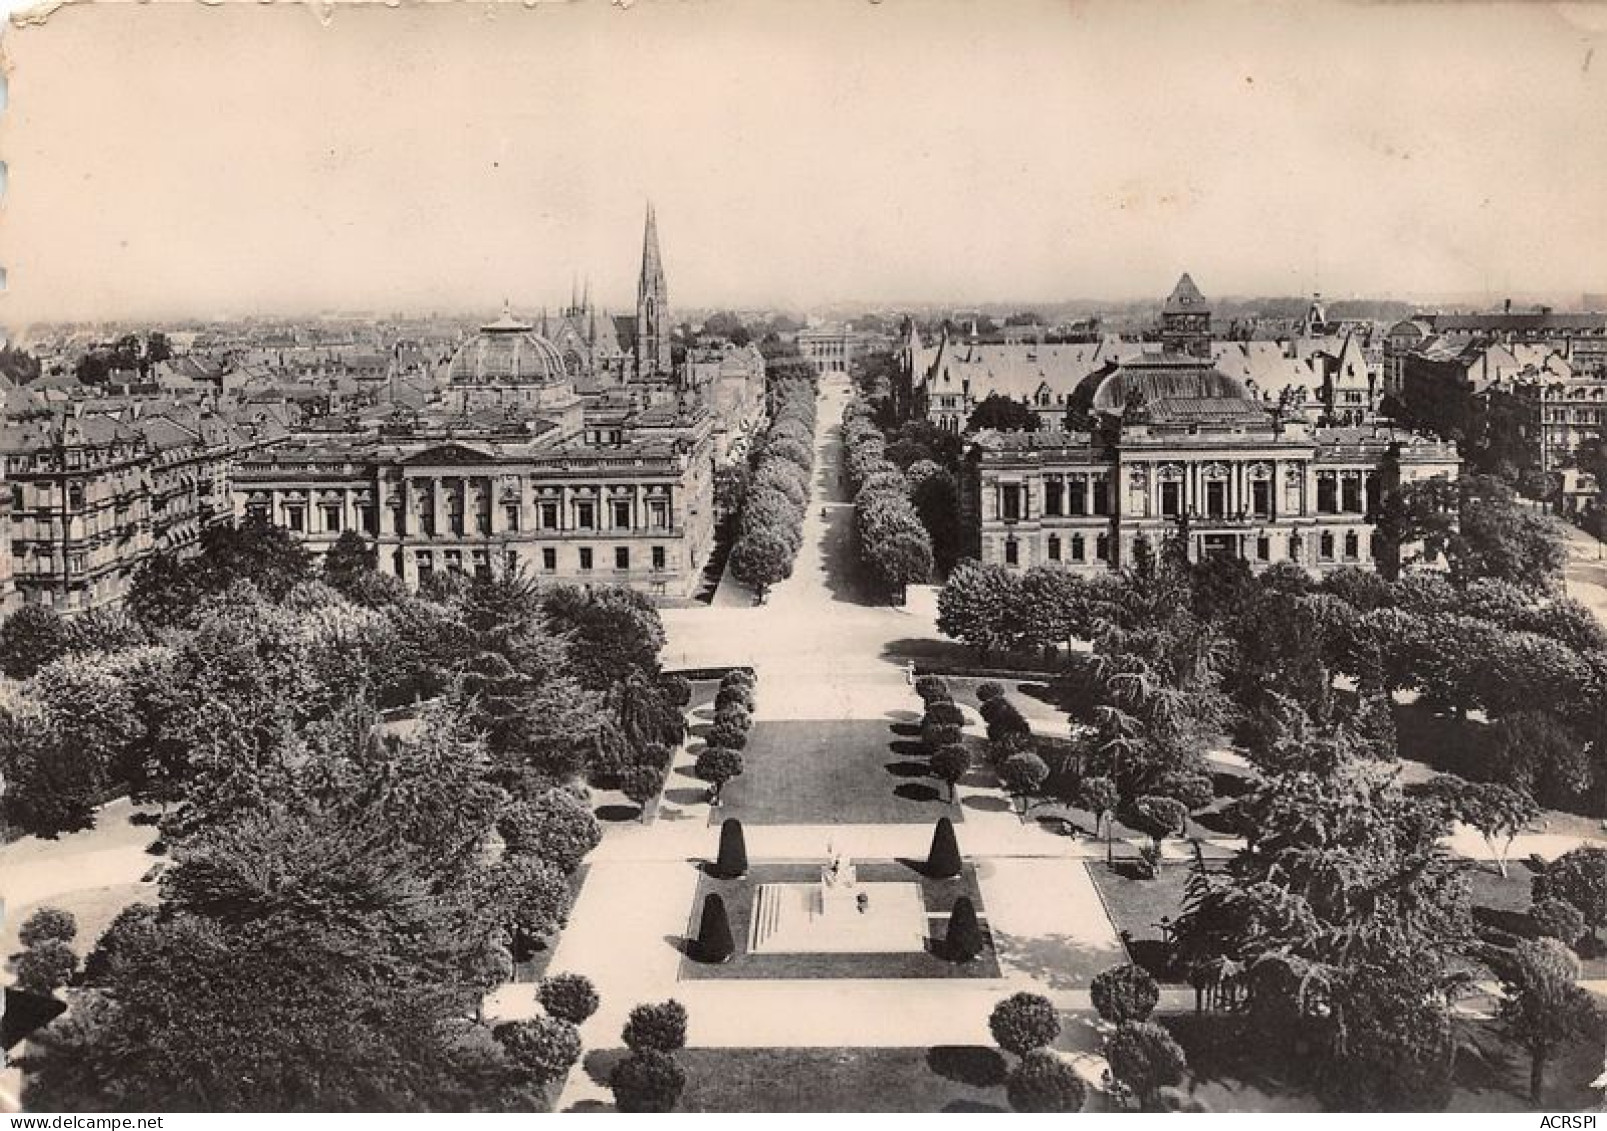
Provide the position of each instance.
(494, 520)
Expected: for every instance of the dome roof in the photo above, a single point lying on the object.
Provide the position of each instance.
(1172, 388)
(506, 352)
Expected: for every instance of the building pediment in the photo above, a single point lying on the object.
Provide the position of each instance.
(451, 455)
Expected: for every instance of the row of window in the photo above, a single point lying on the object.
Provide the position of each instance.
(1078, 546)
(586, 559)
(459, 524)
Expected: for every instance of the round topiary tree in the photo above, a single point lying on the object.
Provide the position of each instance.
(732, 862)
(717, 765)
(1125, 993)
(943, 861)
(658, 1027)
(1023, 1022)
(963, 942)
(568, 997)
(1558, 919)
(1042, 1082)
(989, 690)
(944, 712)
(726, 735)
(930, 687)
(733, 715)
(950, 764)
(935, 736)
(714, 943)
(1144, 1058)
(648, 1081)
(641, 784)
(545, 1047)
(48, 923)
(45, 967)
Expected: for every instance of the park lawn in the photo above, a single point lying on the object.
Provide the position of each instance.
(762, 1080)
(833, 772)
(1136, 907)
(938, 895)
(1491, 1073)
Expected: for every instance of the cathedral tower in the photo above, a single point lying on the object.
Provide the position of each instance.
(652, 307)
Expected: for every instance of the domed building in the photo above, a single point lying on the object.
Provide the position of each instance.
(507, 365)
(1178, 447)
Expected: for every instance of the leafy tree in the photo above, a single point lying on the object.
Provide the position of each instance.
(46, 966)
(1144, 1058)
(647, 1081)
(717, 765)
(30, 638)
(1023, 776)
(1578, 877)
(1098, 795)
(641, 784)
(48, 923)
(1543, 1007)
(1498, 813)
(950, 764)
(1539, 754)
(1023, 1022)
(349, 562)
(613, 631)
(659, 1027)
(1001, 414)
(975, 606)
(1558, 919)
(761, 557)
(530, 899)
(1042, 1082)
(1125, 993)
(1157, 817)
(545, 1047)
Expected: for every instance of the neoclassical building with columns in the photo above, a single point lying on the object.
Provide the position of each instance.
(510, 470)
(1178, 445)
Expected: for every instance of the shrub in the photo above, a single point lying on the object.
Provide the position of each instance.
(1023, 1022)
(677, 690)
(963, 942)
(989, 690)
(930, 687)
(1144, 1058)
(1042, 1082)
(935, 735)
(1005, 719)
(556, 827)
(48, 923)
(1125, 993)
(546, 1047)
(659, 1027)
(714, 942)
(647, 1082)
(944, 712)
(943, 861)
(568, 997)
(1558, 919)
(656, 755)
(45, 967)
(733, 859)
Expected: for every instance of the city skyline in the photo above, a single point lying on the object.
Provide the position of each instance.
(451, 159)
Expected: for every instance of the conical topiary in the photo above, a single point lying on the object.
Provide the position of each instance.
(964, 939)
(943, 862)
(714, 943)
(733, 859)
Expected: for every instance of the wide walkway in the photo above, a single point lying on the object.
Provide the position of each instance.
(822, 652)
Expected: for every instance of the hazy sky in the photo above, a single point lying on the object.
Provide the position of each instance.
(171, 159)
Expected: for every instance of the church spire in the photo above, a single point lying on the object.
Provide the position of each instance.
(652, 305)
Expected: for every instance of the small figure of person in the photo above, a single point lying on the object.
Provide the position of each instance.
(862, 901)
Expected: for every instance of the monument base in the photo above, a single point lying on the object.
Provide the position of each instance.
(802, 919)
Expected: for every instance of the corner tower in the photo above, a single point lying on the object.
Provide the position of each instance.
(652, 307)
